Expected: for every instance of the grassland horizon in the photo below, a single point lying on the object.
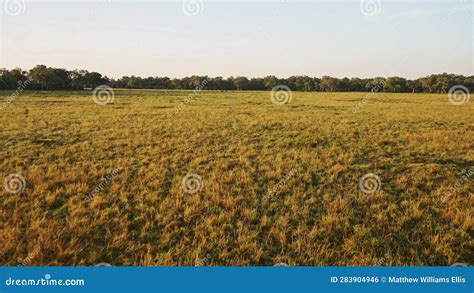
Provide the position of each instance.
(171, 177)
(42, 77)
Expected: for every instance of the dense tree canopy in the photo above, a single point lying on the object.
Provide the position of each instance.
(42, 77)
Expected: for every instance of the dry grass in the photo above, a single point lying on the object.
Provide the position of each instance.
(315, 150)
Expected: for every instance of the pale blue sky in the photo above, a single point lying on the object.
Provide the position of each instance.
(250, 38)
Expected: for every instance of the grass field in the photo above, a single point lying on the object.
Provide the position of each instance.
(232, 179)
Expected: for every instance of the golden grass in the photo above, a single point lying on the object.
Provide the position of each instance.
(315, 149)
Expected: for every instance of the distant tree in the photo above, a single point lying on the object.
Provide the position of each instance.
(11, 79)
(121, 82)
(58, 79)
(241, 82)
(256, 84)
(134, 82)
(78, 80)
(94, 79)
(468, 82)
(357, 85)
(375, 84)
(343, 85)
(328, 84)
(414, 86)
(39, 76)
(427, 83)
(196, 81)
(395, 84)
(216, 83)
(270, 82)
(48, 78)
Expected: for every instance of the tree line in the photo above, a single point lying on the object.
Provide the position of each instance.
(42, 77)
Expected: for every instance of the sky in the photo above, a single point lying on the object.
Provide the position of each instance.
(364, 38)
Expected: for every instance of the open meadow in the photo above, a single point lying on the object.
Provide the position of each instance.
(231, 178)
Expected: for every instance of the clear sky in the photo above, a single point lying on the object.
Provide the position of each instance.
(250, 38)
